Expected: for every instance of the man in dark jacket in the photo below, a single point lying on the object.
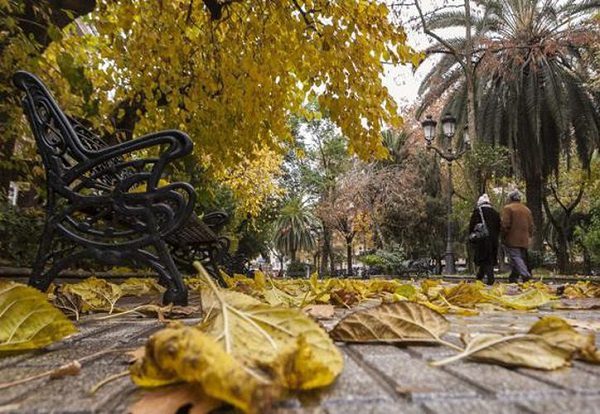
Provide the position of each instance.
(486, 250)
(517, 231)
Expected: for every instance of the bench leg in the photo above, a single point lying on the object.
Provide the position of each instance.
(213, 267)
(39, 279)
(176, 291)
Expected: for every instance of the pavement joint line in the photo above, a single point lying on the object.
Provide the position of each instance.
(95, 358)
(388, 384)
(556, 384)
(122, 342)
(457, 375)
(521, 405)
(588, 368)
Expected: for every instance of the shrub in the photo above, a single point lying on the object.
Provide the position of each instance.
(20, 230)
(297, 269)
(385, 261)
(591, 238)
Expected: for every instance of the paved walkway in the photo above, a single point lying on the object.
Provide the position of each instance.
(376, 379)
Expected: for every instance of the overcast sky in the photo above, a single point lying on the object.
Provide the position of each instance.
(401, 81)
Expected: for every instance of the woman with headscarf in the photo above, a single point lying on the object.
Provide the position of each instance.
(485, 248)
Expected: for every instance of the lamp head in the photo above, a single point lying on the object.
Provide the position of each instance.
(448, 125)
(429, 126)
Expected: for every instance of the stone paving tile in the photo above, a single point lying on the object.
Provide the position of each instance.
(84, 331)
(413, 377)
(130, 335)
(574, 404)
(353, 385)
(16, 392)
(591, 368)
(376, 379)
(119, 335)
(502, 382)
(472, 407)
(429, 352)
(570, 378)
(377, 408)
(71, 394)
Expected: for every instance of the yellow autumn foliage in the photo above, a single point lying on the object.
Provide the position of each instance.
(230, 82)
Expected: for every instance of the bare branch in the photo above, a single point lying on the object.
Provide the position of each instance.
(459, 56)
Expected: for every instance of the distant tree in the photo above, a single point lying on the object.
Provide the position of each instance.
(531, 92)
(320, 157)
(294, 229)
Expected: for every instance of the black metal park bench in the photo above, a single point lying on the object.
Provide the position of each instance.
(108, 203)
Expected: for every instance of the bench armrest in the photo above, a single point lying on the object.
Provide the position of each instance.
(215, 220)
(179, 145)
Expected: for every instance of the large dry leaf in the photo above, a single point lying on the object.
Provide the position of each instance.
(581, 290)
(172, 399)
(135, 286)
(69, 303)
(522, 350)
(392, 322)
(532, 298)
(405, 291)
(182, 353)
(245, 353)
(320, 311)
(96, 294)
(559, 333)
(27, 320)
(256, 334)
(464, 294)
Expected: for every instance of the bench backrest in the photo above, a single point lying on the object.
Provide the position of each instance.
(61, 141)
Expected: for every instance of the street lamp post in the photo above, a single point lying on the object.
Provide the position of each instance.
(448, 154)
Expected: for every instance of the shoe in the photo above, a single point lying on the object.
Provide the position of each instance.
(490, 281)
(526, 278)
(513, 278)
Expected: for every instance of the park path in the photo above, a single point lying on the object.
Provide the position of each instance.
(376, 379)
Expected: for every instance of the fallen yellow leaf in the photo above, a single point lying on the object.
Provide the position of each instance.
(28, 320)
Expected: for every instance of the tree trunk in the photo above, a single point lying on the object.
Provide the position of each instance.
(349, 256)
(325, 249)
(470, 75)
(331, 262)
(280, 265)
(293, 255)
(534, 202)
(562, 251)
(587, 261)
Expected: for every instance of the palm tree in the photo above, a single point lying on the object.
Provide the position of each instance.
(531, 92)
(294, 229)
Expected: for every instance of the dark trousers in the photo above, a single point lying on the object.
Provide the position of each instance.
(486, 270)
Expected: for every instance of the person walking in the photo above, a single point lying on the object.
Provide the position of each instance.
(517, 231)
(485, 245)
